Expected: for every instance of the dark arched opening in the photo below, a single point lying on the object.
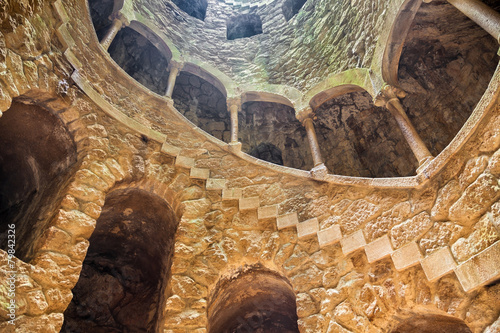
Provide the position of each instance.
(446, 66)
(255, 300)
(431, 324)
(122, 283)
(242, 26)
(360, 139)
(266, 128)
(194, 8)
(292, 7)
(100, 11)
(203, 104)
(36, 157)
(140, 59)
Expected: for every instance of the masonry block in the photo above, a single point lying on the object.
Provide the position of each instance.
(170, 150)
(480, 269)
(249, 203)
(406, 256)
(199, 173)
(232, 193)
(184, 162)
(215, 184)
(329, 236)
(353, 242)
(288, 220)
(307, 228)
(438, 264)
(378, 249)
(267, 212)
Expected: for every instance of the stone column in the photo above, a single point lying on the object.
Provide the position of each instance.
(389, 98)
(234, 106)
(479, 12)
(119, 21)
(175, 68)
(306, 117)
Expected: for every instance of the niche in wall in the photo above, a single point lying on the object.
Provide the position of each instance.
(203, 104)
(359, 139)
(100, 10)
(270, 131)
(256, 300)
(292, 7)
(194, 8)
(140, 59)
(445, 71)
(242, 26)
(36, 158)
(121, 286)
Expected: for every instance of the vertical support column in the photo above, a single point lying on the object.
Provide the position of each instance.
(175, 68)
(305, 116)
(234, 106)
(389, 98)
(119, 21)
(479, 12)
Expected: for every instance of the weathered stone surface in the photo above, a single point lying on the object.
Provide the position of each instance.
(441, 234)
(447, 195)
(483, 235)
(387, 220)
(411, 229)
(438, 264)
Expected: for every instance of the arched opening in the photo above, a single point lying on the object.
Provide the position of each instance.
(140, 59)
(242, 26)
(360, 139)
(254, 300)
(121, 286)
(203, 104)
(194, 8)
(36, 157)
(100, 11)
(292, 7)
(268, 129)
(431, 324)
(445, 71)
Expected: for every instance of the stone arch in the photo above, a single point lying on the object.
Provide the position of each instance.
(205, 75)
(243, 26)
(254, 299)
(271, 131)
(38, 157)
(100, 12)
(125, 272)
(263, 96)
(358, 138)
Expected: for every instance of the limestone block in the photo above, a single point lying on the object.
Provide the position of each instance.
(196, 208)
(231, 193)
(411, 229)
(378, 249)
(186, 287)
(441, 234)
(170, 150)
(215, 184)
(175, 304)
(307, 228)
(249, 203)
(473, 168)
(353, 242)
(329, 236)
(491, 138)
(75, 222)
(87, 177)
(86, 193)
(480, 269)
(484, 235)
(286, 221)
(199, 173)
(438, 264)
(357, 214)
(305, 305)
(406, 256)
(447, 195)
(476, 199)
(387, 220)
(267, 212)
(494, 164)
(184, 162)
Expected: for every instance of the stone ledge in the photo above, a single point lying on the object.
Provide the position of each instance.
(438, 264)
(184, 162)
(199, 173)
(329, 236)
(378, 249)
(267, 212)
(353, 242)
(170, 150)
(407, 256)
(232, 194)
(215, 184)
(249, 203)
(307, 228)
(481, 269)
(286, 221)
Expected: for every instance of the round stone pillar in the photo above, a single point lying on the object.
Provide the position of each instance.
(119, 21)
(175, 68)
(234, 106)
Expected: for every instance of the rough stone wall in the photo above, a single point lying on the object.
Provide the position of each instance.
(127, 137)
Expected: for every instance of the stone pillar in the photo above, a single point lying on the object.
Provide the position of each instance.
(389, 98)
(306, 116)
(119, 22)
(479, 12)
(175, 68)
(234, 106)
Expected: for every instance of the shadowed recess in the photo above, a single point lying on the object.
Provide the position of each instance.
(194, 8)
(121, 287)
(100, 10)
(445, 71)
(270, 131)
(140, 59)
(432, 324)
(257, 301)
(292, 7)
(35, 162)
(242, 26)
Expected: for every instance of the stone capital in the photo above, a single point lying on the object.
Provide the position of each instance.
(388, 93)
(175, 65)
(234, 101)
(120, 17)
(305, 113)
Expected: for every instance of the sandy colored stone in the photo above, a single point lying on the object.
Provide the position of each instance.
(356, 215)
(441, 234)
(473, 168)
(305, 305)
(447, 195)
(483, 235)
(383, 224)
(410, 230)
